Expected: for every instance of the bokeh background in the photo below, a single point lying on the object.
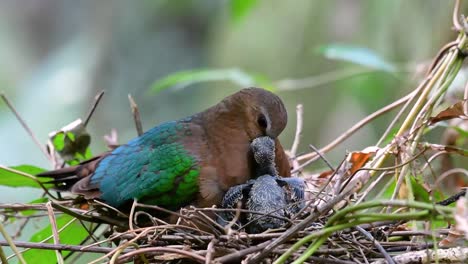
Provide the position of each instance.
(56, 55)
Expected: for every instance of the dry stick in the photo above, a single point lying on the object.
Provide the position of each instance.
(47, 246)
(9, 242)
(422, 107)
(376, 244)
(313, 156)
(25, 126)
(47, 238)
(322, 156)
(451, 255)
(55, 234)
(3, 258)
(447, 173)
(402, 110)
(297, 137)
(97, 98)
(132, 214)
(209, 251)
(194, 256)
(136, 115)
(465, 97)
(455, 21)
(237, 256)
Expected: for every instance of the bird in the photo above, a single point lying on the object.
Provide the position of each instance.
(269, 198)
(190, 161)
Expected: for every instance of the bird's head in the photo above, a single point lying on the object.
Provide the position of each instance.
(263, 112)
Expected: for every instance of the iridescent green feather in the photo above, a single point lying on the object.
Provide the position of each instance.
(154, 168)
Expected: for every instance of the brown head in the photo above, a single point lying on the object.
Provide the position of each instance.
(262, 112)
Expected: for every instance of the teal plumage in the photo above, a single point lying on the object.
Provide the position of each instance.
(153, 168)
(194, 160)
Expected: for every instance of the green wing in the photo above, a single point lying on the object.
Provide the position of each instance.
(154, 168)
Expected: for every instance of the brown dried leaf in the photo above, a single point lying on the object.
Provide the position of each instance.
(453, 111)
(357, 159)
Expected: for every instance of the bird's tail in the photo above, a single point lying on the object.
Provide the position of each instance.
(62, 179)
(65, 178)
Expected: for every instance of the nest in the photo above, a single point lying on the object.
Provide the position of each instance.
(349, 217)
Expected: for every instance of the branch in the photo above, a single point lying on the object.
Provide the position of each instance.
(25, 126)
(47, 246)
(451, 255)
(136, 115)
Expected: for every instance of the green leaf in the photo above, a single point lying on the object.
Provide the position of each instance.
(71, 136)
(11, 179)
(240, 8)
(357, 55)
(73, 234)
(183, 79)
(71, 140)
(59, 141)
(421, 194)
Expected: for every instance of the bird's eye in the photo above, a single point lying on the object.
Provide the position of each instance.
(262, 121)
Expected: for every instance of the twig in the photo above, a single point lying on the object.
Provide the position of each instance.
(9, 242)
(210, 251)
(237, 256)
(451, 255)
(47, 246)
(400, 113)
(136, 115)
(311, 157)
(444, 175)
(2, 256)
(465, 98)
(25, 126)
(376, 244)
(97, 98)
(55, 234)
(132, 214)
(127, 256)
(455, 21)
(322, 157)
(297, 137)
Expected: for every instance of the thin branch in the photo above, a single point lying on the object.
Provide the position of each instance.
(455, 21)
(297, 137)
(451, 255)
(55, 234)
(25, 126)
(191, 255)
(465, 98)
(136, 115)
(311, 157)
(9, 242)
(209, 251)
(97, 98)
(237, 256)
(47, 246)
(322, 157)
(376, 244)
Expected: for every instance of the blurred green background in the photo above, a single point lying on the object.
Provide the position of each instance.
(56, 55)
